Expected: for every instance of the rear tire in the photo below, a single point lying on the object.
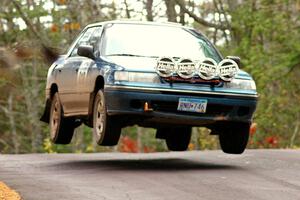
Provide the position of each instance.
(178, 139)
(106, 129)
(234, 139)
(61, 129)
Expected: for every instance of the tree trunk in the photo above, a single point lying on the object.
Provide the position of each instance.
(12, 123)
(182, 18)
(31, 94)
(296, 131)
(171, 12)
(78, 140)
(9, 112)
(139, 139)
(127, 9)
(149, 4)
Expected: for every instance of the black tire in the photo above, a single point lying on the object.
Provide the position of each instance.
(178, 139)
(61, 129)
(234, 139)
(106, 129)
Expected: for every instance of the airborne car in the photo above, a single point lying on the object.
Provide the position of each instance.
(160, 75)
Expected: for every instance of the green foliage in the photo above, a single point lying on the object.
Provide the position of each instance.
(265, 36)
(206, 141)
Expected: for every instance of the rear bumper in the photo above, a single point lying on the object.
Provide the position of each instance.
(220, 107)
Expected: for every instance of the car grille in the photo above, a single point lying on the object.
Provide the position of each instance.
(176, 79)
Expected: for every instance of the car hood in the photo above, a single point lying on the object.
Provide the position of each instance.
(148, 64)
(134, 63)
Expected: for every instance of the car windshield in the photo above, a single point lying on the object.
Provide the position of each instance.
(155, 41)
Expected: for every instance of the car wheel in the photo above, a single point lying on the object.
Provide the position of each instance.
(106, 129)
(235, 138)
(178, 139)
(61, 129)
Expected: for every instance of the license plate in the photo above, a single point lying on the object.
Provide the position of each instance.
(192, 105)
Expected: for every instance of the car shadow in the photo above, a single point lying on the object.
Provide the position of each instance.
(161, 164)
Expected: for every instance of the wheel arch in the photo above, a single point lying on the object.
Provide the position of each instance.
(46, 115)
(99, 84)
(53, 90)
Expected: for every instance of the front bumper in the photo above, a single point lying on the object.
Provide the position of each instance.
(129, 101)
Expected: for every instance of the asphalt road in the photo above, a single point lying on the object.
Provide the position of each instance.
(257, 174)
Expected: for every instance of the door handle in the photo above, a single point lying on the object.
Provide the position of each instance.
(59, 70)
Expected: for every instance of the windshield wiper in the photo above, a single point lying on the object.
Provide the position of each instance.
(132, 55)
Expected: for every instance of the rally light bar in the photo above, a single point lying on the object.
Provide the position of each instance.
(207, 69)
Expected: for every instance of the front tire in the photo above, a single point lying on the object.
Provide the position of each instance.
(234, 139)
(61, 129)
(106, 129)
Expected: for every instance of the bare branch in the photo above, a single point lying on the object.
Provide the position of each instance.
(199, 19)
(26, 20)
(48, 53)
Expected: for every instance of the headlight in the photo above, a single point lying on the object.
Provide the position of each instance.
(141, 77)
(121, 76)
(241, 84)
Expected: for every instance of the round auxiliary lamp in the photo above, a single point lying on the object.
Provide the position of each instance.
(165, 67)
(207, 69)
(186, 68)
(227, 69)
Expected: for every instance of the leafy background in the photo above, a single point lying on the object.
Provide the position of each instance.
(264, 33)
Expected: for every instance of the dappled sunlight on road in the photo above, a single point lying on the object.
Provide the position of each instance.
(7, 193)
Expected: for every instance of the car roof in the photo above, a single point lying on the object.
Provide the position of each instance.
(171, 24)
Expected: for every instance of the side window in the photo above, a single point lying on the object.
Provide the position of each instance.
(89, 37)
(95, 39)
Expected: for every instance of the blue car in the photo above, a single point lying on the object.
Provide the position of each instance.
(159, 75)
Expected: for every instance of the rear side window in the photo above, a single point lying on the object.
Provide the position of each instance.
(90, 37)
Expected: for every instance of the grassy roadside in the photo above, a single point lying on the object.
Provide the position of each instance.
(7, 193)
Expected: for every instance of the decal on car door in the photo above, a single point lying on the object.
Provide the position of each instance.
(82, 73)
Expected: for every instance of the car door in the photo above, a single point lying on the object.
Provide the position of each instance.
(66, 81)
(85, 75)
(71, 74)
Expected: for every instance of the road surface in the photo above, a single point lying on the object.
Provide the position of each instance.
(257, 174)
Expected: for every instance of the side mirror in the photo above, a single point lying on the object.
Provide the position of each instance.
(235, 59)
(86, 51)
